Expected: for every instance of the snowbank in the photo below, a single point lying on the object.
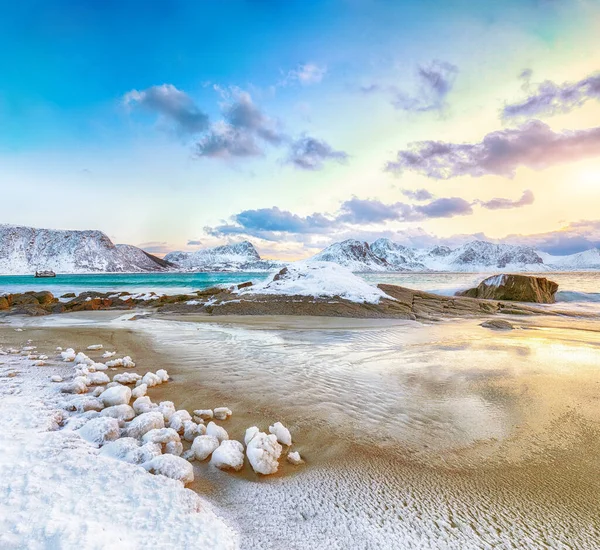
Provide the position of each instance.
(319, 280)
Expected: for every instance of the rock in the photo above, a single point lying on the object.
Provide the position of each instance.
(518, 288)
(244, 285)
(497, 324)
(3, 303)
(69, 295)
(229, 455)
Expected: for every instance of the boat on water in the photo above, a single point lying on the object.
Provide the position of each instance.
(47, 273)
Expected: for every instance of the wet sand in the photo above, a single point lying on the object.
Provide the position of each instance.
(446, 435)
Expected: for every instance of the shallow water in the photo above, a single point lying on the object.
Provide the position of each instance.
(415, 436)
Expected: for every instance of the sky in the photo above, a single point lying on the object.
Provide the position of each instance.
(178, 125)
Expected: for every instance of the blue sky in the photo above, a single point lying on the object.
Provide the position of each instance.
(298, 123)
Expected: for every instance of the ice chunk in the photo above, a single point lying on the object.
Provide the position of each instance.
(167, 408)
(76, 422)
(98, 378)
(204, 445)
(125, 362)
(117, 395)
(282, 433)
(56, 378)
(250, 433)
(143, 405)
(120, 448)
(171, 466)
(108, 354)
(84, 403)
(161, 435)
(82, 359)
(97, 392)
(294, 458)
(139, 391)
(217, 431)
(77, 385)
(150, 379)
(100, 430)
(228, 455)
(174, 448)
(143, 423)
(126, 378)
(95, 347)
(98, 366)
(263, 453)
(205, 414)
(163, 375)
(68, 355)
(177, 420)
(122, 413)
(222, 413)
(190, 430)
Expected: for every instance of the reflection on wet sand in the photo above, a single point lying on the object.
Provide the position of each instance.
(446, 435)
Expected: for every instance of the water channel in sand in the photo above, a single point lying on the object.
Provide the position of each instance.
(446, 435)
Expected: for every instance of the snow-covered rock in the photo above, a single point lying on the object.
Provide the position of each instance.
(318, 280)
(352, 254)
(100, 430)
(229, 455)
(217, 431)
(143, 423)
(95, 347)
(294, 458)
(204, 445)
(168, 438)
(250, 433)
(84, 403)
(190, 430)
(177, 420)
(24, 250)
(171, 466)
(143, 405)
(282, 433)
(122, 413)
(117, 395)
(263, 453)
(139, 391)
(204, 414)
(127, 378)
(222, 413)
(68, 355)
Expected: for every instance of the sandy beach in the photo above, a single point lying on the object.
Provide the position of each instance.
(414, 435)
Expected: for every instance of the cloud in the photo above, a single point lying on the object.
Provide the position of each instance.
(241, 132)
(550, 98)
(445, 208)
(305, 74)
(417, 194)
(194, 242)
(366, 211)
(533, 145)
(307, 153)
(172, 105)
(155, 247)
(498, 204)
(435, 81)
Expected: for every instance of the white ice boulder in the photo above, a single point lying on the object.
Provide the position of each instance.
(282, 433)
(126, 378)
(171, 466)
(163, 375)
(167, 408)
(161, 435)
(177, 420)
(250, 433)
(79, 420)
(98, 378)
(108, 354)
(204, 445)
(68, 355)
(204, 414)
(100, 430)
(144, 405)
(263, 453)
(77, 385)
(97, 391)
(190, 430)
(117, 395)
(56, 378)
(150, 379)
(294, 458)
(139, 391)
(229, 455)
(84, 403)
(95, 347)
(122, 413)
(217, 431)
(98, 366)
(82, 359)
(143, 423)
(120, 448)
(222, 413)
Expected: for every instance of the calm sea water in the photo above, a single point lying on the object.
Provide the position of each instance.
(573, 287)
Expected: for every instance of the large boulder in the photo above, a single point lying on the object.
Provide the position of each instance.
(518, 288)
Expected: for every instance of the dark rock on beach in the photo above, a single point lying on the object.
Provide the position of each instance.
(497, 324)
(518, 288)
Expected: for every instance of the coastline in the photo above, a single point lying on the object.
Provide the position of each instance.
(217, 361)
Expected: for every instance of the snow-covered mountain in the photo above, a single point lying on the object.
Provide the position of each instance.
(475, 256)
(355, 255)
(231, 257)
(24, 250)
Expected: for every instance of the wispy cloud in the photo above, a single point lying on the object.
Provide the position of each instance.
(534, 145)
(499, 204)
(305, 74)
(172, 105)
(307, 153)
(417, 194)
(550, 98)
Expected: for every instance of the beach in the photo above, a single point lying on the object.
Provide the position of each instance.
(414, 435)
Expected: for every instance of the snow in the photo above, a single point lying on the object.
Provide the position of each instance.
(172, 467)
(100, 430)
(217, 431)
(263, 453)
(24, 250)
(294, 458)
(204, 445)
(318, 280)
(282, 433)
(496, 280)
(117, 395)
(229, 455)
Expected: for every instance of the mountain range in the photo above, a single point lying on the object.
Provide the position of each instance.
(24, 250)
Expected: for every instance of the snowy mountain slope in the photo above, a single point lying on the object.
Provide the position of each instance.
(232, 257)
(588, 259)
(399, 257)
(24, 250)
(355, 255)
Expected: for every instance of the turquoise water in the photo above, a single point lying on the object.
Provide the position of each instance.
(573, 287)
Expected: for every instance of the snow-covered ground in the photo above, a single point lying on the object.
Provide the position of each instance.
(58, 491)
(319, 280)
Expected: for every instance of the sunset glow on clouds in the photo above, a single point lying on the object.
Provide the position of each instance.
(295, 124)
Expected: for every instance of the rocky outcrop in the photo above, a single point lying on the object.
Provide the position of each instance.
(516, 288)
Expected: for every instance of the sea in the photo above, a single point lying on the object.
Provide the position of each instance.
(574, 287)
